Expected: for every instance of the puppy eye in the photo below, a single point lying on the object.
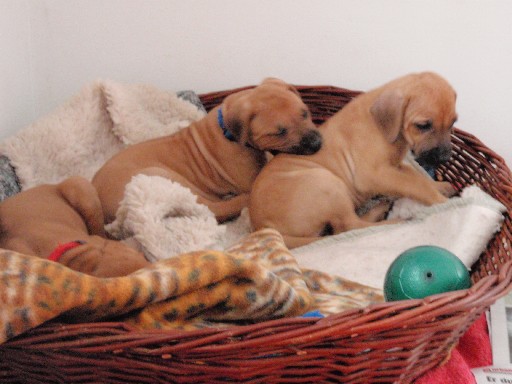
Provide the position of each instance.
(305, 114)
(282, 131)
(424, 126)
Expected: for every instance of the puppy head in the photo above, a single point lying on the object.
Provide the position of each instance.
(419, 108)
(271, 117)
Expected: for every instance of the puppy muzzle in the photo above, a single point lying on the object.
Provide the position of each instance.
(435, 156)
(310, 143)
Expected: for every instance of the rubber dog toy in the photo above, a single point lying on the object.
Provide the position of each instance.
(423, 271)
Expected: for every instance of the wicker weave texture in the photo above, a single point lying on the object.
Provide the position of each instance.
(386, 343)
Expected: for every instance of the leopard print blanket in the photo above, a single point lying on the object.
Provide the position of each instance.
(257, 279)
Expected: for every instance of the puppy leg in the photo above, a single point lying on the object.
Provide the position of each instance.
(373, 218)
(298, 241)
(405, 181)
(445, 188)
(82, 196)
(104, 258)
(306, 207)
(228, 209)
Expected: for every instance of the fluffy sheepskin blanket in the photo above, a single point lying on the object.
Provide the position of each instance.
(79, 136)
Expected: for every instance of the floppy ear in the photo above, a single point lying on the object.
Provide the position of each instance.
(237, 114)
(388, 112)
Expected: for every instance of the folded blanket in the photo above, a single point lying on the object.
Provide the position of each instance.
(463, 225)
(78, 137)
(257, 279)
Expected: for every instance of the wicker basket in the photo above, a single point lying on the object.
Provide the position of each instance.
(391, 342)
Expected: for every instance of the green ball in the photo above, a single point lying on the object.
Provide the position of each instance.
(423, 271)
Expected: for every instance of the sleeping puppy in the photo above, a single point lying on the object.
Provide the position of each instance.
(219, 156)
(306, 198)
(64, 222)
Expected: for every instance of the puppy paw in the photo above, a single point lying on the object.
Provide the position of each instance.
(446, 188)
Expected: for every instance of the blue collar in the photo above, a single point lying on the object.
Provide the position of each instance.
(220, 119)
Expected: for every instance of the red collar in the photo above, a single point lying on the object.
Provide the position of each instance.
(62, 248)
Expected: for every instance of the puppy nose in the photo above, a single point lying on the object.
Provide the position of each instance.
(440, 154)
(435, 156)
(445, 153)
(311, 142)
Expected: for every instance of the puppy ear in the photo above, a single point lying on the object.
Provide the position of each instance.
(388, 112)
(237, 114)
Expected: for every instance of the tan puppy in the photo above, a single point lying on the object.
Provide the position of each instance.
(219, 156)
(306, 198)
(66, 222)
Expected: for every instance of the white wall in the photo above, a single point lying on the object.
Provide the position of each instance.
(51, 48)
(16, 72)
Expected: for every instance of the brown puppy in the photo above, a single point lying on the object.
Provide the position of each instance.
(306, 198)
(65, 221)
(219, 156)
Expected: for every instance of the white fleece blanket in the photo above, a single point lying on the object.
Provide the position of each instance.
(163, 219)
